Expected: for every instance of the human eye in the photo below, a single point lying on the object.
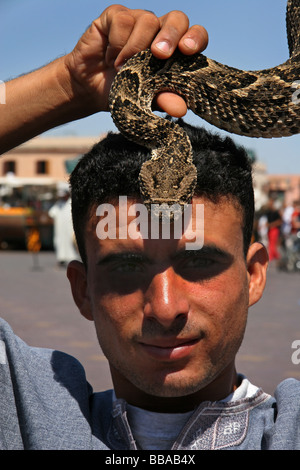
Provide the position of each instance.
(201, 264)
(127, 263)
(128, 267)
(195, 267)
(123, 273)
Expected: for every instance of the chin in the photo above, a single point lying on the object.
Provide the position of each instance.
(174, 386)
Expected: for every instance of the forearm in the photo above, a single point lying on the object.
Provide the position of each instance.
(38, 102)
(78, 84)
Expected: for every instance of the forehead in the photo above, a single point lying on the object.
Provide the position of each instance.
(123, 226)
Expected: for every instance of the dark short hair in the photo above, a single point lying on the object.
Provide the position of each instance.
(111, 169)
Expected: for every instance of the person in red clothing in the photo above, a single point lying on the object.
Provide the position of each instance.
(296, 218)
(274, 224)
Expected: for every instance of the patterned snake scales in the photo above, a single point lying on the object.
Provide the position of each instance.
(255, 104)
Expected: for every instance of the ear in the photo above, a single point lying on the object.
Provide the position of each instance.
(257, 265)
(77, 276)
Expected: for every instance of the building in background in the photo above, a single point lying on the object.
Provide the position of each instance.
(31, 175)
(41, 162)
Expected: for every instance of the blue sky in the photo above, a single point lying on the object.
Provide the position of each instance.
(244, 34)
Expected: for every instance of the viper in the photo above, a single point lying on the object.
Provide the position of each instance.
(262, 103)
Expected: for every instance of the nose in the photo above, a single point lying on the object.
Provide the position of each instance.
(166, 299)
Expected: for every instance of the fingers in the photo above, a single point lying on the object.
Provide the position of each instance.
(175, 32)
(130, 31)
(195, 40)
(171, 104)
(127, 31)
(146, 27)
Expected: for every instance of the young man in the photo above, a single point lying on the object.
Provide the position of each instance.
(170, 317)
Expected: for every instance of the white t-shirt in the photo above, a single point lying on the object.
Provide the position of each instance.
(158, 431)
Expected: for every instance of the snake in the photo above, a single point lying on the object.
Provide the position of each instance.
(263, 103)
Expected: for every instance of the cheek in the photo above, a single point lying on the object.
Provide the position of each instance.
(224, 316)
(224, 303)
(115, 315)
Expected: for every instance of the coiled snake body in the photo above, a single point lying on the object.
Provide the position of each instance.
(261, 103)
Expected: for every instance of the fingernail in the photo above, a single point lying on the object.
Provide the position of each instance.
(119, 66)
(190, 43)
(163, 46)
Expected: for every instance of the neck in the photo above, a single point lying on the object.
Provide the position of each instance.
(218, 389)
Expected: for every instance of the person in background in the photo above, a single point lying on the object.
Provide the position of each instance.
(274, 224)
(63, 235)
(295, 220)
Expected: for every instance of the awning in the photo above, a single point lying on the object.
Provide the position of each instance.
(16, 182)
(71, 164)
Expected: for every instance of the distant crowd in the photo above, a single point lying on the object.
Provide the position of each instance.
(278, 228)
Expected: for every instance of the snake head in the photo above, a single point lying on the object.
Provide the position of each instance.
(167, 183)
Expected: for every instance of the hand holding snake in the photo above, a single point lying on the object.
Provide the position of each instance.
(255, 104)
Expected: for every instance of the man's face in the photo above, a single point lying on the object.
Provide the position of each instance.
(170, 320)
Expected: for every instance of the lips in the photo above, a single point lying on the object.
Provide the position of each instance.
(170, 350)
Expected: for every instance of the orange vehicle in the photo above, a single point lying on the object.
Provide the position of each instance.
(24, 227)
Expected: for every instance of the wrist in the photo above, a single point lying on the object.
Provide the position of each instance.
(84, 96)
(76, 100)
